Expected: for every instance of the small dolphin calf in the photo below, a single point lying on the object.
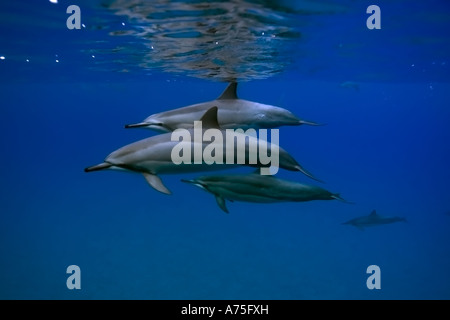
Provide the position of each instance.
(373, 219)
(261, 189)
(153, 156)
(233, 113)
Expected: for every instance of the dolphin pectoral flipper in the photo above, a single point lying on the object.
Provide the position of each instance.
(154, 181)
(221, 202)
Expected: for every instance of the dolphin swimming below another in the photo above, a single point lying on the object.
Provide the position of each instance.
(260, 189)
(373, 219)
(233, 113)
(153, 156)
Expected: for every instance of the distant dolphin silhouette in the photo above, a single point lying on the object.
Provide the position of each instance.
(350, 84)
(261, 189)
(373, 219)
(233, 113)
(153, 156)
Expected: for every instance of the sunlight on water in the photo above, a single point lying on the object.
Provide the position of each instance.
(223, 40)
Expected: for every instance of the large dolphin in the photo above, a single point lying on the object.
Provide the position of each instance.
(373, 219)
(233, 113)
(258, 188)
(153, 156)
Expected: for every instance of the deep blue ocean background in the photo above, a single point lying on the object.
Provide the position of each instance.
(385, 146)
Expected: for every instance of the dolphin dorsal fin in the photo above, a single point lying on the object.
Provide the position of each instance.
(229, 92)
(209, 119)
(373, 213)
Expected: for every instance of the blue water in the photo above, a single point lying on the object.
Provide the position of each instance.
(385, 146)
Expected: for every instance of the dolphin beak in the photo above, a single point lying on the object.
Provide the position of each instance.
(101, 166)
(137, 125)
(309, 123)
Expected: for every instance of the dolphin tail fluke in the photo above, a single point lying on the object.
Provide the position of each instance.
(101, 166)
(307, 173)
(155, 182)
(337, 196)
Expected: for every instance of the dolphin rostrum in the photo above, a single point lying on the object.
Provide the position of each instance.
(373, 219)
(258, 188)
(233, 113)
(153, 156)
